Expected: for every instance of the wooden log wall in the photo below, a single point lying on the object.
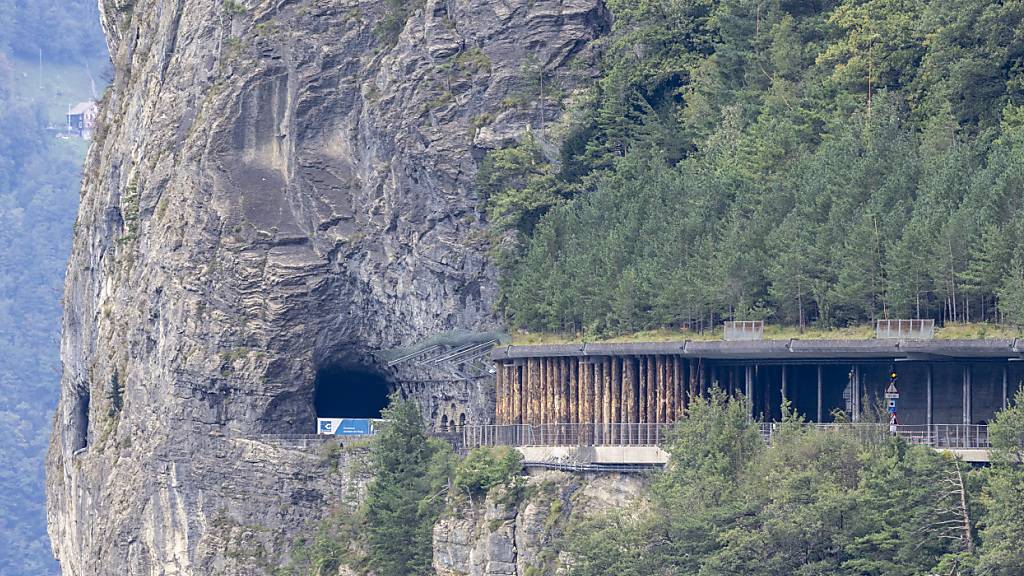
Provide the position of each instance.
(599, 390)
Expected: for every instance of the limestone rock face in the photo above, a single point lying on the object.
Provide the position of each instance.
(506, 536)
(276, 186)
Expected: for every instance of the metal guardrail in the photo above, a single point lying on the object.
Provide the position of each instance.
(743, 330)
(905, 329)
(940, 436)
(564, 435)
(592, 467)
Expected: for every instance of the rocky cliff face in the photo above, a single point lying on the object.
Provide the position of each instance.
(507, 536)
(277, 186)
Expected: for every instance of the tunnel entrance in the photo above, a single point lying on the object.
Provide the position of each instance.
(345, 392)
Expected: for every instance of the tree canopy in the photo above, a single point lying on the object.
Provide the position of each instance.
(802, 162)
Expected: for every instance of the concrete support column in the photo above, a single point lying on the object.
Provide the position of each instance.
(820, 381)
(701, 379)
(928, 396)
(1006, 378)
(748, 388)
(967, 394)
(785, 384)
(855, 401)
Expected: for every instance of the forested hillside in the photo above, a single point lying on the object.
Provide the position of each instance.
(826, 162)
(39, 181)
(813, 502)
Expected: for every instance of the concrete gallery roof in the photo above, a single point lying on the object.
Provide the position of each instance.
(784, 350)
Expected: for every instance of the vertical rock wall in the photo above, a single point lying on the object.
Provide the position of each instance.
(504, 535)
(276, 186)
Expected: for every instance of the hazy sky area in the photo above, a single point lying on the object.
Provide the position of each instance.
(52, 56)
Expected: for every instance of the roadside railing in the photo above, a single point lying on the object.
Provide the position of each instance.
(941, 436)
(564, 435)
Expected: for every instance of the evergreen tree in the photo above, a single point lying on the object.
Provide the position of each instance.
(406, 495)
(1003, 495)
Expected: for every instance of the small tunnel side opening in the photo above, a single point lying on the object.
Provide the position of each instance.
(346, 392)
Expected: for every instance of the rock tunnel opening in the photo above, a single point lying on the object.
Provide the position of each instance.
(350, 392)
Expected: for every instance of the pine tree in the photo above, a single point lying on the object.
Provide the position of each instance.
(406, 495)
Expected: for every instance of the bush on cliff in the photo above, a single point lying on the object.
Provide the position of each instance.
(486, 468)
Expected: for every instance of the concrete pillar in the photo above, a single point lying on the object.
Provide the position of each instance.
(748, 388)
(855, 401)
(820, 379)
(701, 379)
(928, 395)
(967, 394)
(1006, 378)
(785, 384)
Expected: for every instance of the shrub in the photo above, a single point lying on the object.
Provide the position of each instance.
(486, 468)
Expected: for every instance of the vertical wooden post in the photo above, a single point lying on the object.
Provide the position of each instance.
(556, 390)
(654, 400)
(599, 399)
(616, 398)
(607, 388)
(641, 416)
(677, 401)
(545, 391)
(509, 394)
(624, 374)
(591, 396)
(563, 378)
(574, 390)
(501, 395)
(652, 390)
(528, 392)
(552, 390)
(666, 404)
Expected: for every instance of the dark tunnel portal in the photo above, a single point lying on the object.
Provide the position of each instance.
(350, 393)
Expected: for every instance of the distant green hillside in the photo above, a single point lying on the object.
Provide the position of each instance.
(56, 85)
(39, 188)
(816, 163)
